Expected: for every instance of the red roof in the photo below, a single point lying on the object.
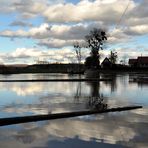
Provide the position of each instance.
(143, 60)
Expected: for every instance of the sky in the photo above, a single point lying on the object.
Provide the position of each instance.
(33, 30)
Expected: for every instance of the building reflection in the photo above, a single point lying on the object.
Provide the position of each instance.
(112, 83)
(139, 79)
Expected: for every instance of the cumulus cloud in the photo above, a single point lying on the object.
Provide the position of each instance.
(29, 9)
(21, 55)
(54, 35)
(76, 31)
(34, 32)
(83, 11)
(31, 55)
(140, 10)
(55, 43)
(118, 35)
(7, 6)
(26, 9)
(86, 11)
(64, 55)
(21, 23)
(65, 22)
(137, 30)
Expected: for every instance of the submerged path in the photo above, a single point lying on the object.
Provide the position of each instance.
(57, 80)
(34, 118)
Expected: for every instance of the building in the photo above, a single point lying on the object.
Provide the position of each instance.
(132, 62)
(142, 61)
(139, 62)
(106, 63)
(2, 68)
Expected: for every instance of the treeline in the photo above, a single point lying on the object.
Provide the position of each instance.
(64, 68)
(43, 68)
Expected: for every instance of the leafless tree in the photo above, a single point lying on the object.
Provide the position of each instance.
(113, 57)
(77, 48)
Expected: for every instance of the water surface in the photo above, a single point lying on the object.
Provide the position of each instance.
(121, 129)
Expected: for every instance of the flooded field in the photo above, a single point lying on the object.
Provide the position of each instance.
(109, 130)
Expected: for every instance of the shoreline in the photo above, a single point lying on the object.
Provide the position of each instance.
(67, 69)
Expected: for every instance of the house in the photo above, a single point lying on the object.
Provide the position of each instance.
(2, 68)
(132, 62)
(139, 62)
(142, 61)
(106, 63)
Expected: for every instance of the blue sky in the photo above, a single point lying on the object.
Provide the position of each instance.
(46, 30)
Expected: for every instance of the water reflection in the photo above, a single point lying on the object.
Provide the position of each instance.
(112, 83)
(124, 129)
(141, 84)
(109, 130)
(95, 100)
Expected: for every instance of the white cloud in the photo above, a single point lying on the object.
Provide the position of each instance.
(76, 31)
(23, 52)
(87, 11)
(76, 20)
(137, 30)
(55, 35)
(31, 55)
(64, 55)
(21, 23)
(97, 12)
(118, 35)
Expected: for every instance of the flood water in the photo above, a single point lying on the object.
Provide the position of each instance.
(108, 130)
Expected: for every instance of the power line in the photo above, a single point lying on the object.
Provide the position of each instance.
(123, 14)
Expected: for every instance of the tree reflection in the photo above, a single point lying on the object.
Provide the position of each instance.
(78, 93)
(95, 100)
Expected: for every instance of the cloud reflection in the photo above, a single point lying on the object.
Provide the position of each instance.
(125, 129)
(111, 129)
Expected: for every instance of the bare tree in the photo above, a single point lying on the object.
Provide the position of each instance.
(77, 48)
(113, 57)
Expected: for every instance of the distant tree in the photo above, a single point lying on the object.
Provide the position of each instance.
(121, 62)
(113, 57)
(77, 48)
(94, 41)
